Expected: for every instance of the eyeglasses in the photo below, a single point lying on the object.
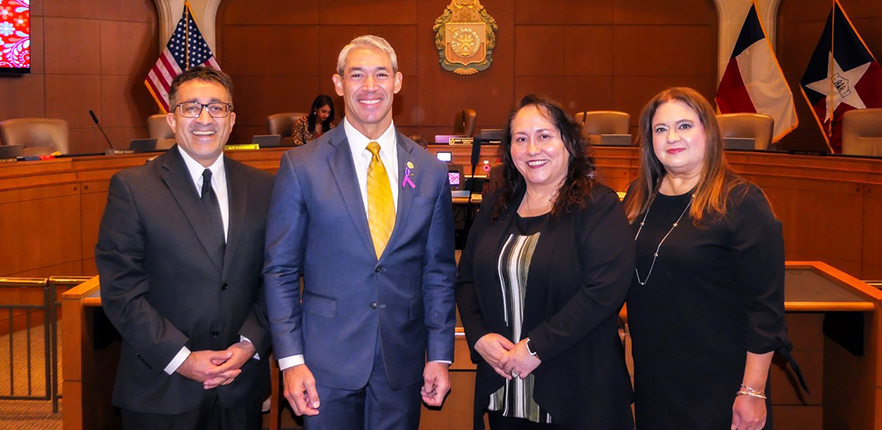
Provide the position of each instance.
(215, 109)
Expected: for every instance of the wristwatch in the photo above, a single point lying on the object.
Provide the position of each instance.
(530, 349)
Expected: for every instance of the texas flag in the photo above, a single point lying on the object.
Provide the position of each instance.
(753, 81)
(842, 75)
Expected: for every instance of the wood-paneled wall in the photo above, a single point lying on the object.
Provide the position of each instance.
(587, 54)
(87, 54)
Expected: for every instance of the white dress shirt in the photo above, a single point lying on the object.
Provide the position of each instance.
(219, 184)
(362, 157)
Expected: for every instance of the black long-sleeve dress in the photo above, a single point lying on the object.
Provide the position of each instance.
(713, 295)
(578, 277)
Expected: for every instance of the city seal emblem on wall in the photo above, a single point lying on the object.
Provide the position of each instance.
(465, 35)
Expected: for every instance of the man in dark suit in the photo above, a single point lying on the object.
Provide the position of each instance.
(364, 215)
(180, 254)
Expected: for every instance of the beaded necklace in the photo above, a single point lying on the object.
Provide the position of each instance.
(655, 254)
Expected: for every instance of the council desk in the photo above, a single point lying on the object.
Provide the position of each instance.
(846, 387)
(829, 206)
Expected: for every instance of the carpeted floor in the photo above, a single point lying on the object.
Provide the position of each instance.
(28, 415)
(24, 351)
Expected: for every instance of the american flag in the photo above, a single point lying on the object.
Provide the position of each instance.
(186, 48)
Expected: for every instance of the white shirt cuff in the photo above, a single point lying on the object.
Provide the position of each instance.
(256, 356)
(177, 361)
(294, 360)
(448, 362)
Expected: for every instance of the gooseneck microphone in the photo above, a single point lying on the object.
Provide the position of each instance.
(476, 155)
(95, 118)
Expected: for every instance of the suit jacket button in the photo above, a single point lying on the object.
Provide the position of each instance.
(378, 269)
(224, 286)
(373, 305)
(215, 333)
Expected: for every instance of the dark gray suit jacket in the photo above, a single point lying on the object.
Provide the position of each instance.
(162, 290)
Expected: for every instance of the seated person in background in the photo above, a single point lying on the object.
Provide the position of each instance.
(316, 123)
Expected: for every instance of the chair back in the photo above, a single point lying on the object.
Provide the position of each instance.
(756, 126)
(599, 122)
(37, 136)
(464, 122)
(281, 124)
(862, 132)
(158, 128)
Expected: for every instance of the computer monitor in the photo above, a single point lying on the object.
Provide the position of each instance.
(10, 151)
(267, 140)
(445, 156)
(455, 176)
(143, 145)
(739, 143)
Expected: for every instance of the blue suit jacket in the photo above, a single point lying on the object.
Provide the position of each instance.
(318, 228)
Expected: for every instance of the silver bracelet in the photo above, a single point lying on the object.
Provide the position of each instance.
(752, 392)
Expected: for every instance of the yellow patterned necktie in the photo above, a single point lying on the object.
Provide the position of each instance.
(381, 208)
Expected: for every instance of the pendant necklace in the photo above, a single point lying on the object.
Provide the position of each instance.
(655, 254)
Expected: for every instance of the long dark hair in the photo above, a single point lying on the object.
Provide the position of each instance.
(320, 101)
(717, 179)
(579, 182)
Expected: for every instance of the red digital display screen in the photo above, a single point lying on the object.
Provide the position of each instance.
(15, 36)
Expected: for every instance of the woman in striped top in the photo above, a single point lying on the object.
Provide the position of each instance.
(541, 281)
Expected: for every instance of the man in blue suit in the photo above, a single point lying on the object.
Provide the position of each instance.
(364, 216)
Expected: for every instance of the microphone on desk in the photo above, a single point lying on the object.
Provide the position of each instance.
(476, 155)
(111, 150)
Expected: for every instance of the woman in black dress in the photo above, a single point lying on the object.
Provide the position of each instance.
(706, 304)
(541, 281)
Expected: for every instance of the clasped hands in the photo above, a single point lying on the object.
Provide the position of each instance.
(508, 359)
(216, 368)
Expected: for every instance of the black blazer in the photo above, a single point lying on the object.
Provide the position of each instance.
(579, 276)
(162, 291)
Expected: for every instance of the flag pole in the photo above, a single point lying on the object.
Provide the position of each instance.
(831, 69)
(187, 42)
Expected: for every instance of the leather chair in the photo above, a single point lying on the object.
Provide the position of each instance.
(281, 123)
(158, 128)
(757, 126)
(464, 122)
(37, 136)
(862, 132)
(604, 122)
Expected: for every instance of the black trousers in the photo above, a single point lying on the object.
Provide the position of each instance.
(209, 416)
(499, 422)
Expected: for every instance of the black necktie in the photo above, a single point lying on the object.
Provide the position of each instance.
(213, 216)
